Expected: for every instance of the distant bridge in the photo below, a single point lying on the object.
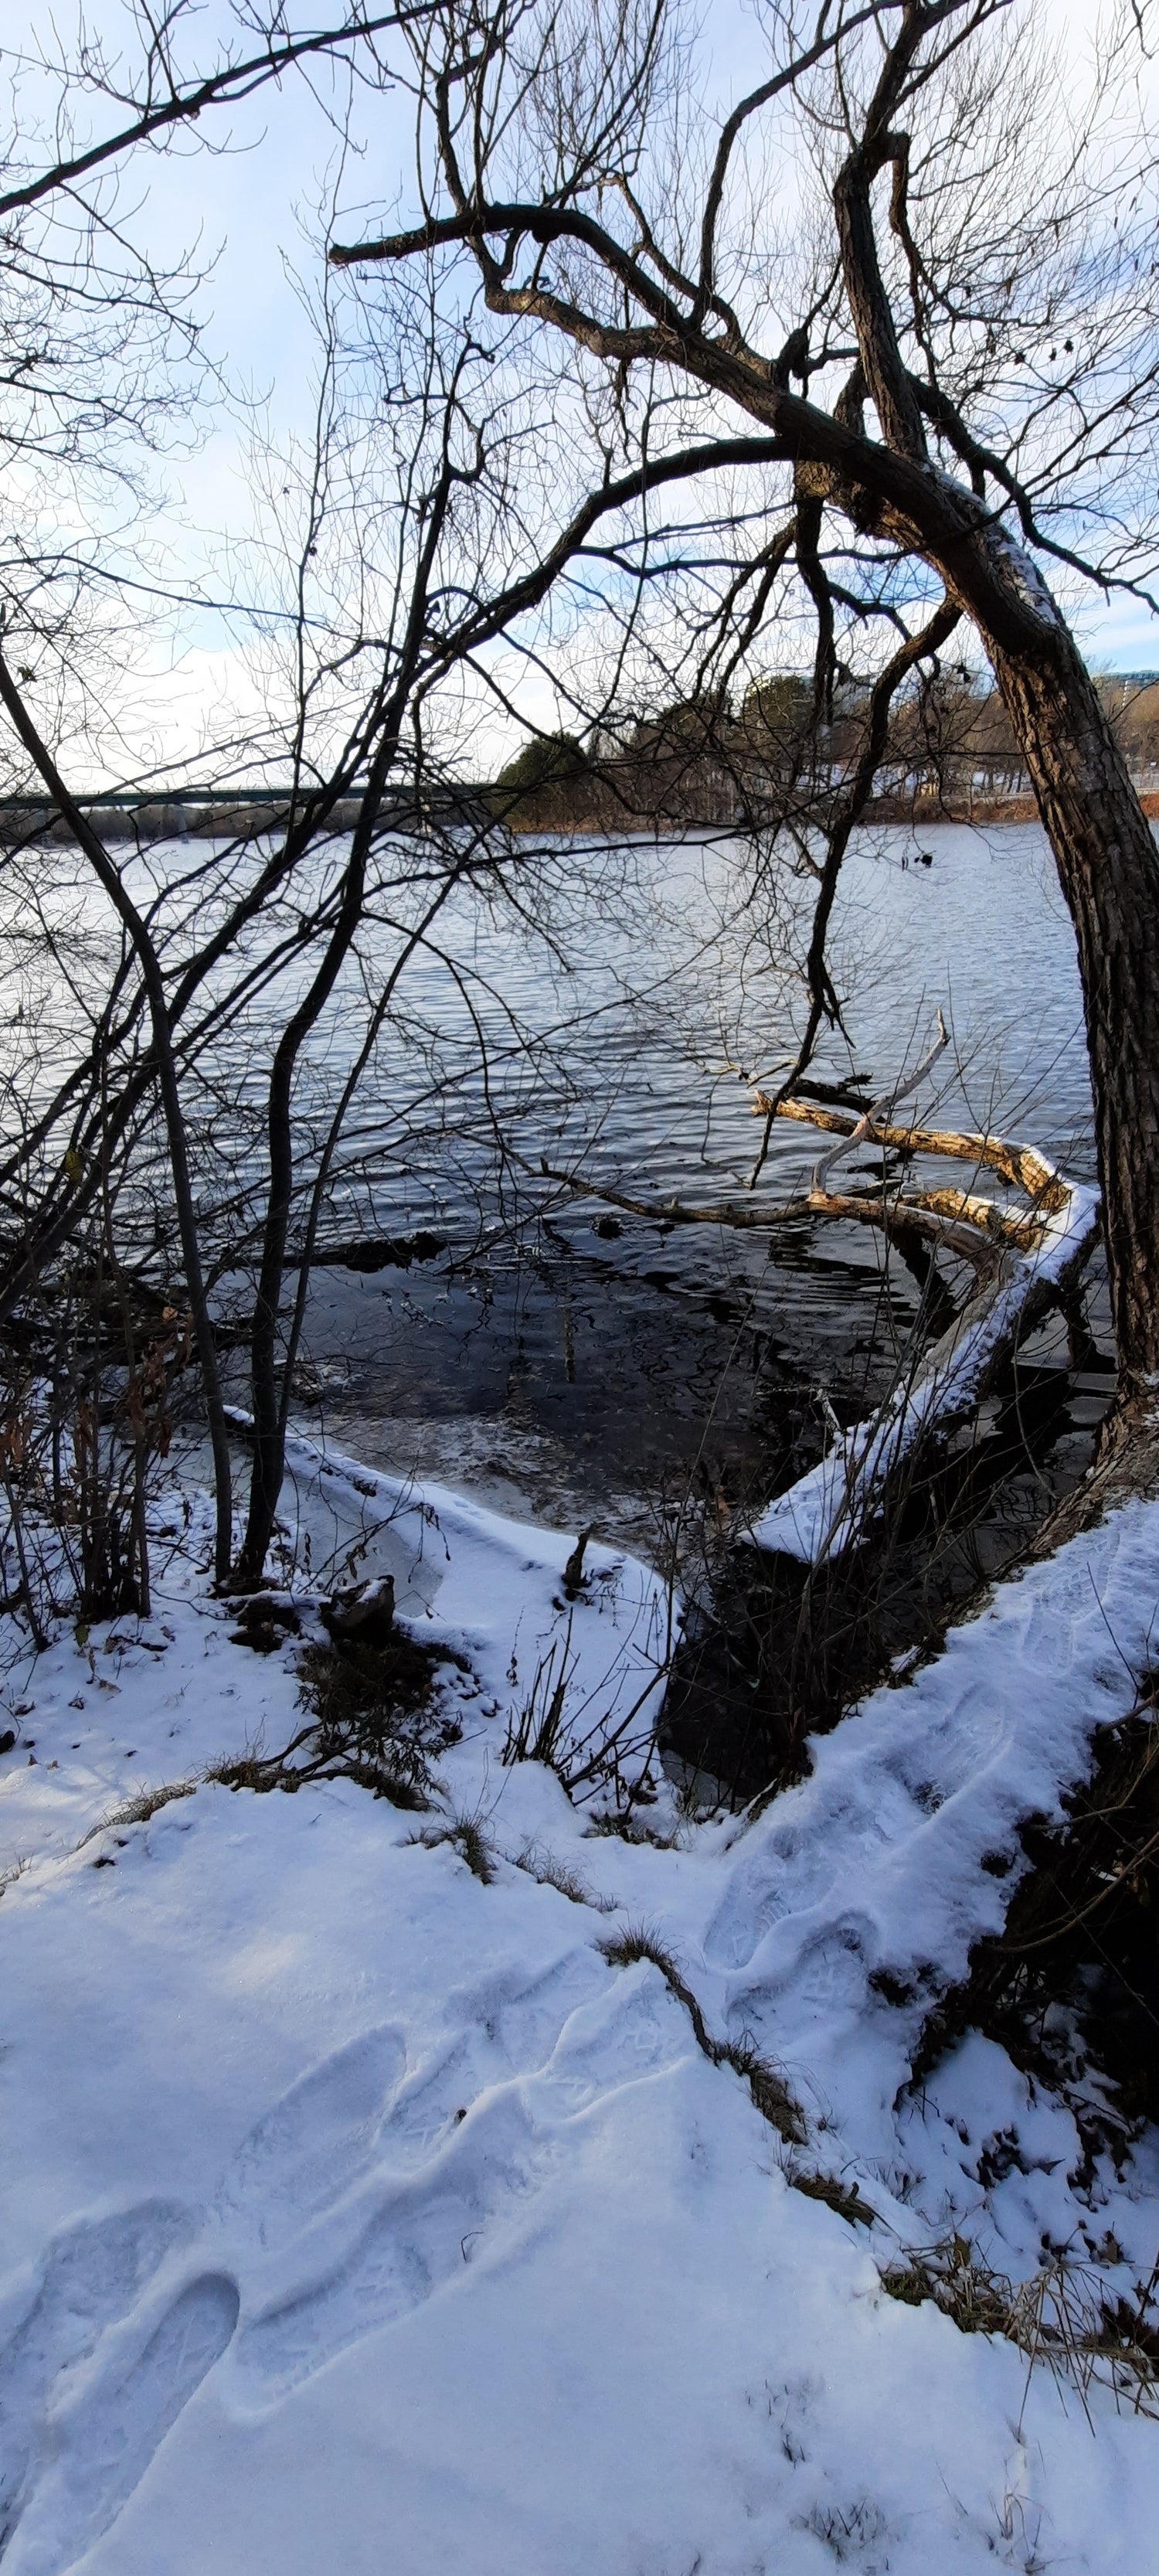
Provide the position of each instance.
(227, 813)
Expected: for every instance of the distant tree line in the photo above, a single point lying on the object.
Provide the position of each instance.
(772, 756)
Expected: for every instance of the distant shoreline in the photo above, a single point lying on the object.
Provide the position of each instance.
(985, 809)
(28, 825)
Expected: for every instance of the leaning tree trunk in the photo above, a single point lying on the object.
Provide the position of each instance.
(1108, 868)
(1106, 859)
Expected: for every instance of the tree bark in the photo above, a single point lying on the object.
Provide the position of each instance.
(1108, 868)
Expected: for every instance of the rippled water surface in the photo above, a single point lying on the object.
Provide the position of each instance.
(592, 1365)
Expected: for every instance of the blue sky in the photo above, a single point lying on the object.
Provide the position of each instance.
(243, 207)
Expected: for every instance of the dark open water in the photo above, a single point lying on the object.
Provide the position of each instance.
(592, 1374)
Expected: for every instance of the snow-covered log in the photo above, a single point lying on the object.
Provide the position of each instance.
(1028, 1260)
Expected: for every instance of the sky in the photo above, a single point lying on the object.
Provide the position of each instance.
(241, 209)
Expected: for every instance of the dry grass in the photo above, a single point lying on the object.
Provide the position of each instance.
(1061, 2316)
(137, 1810)
(466, 1835)
(547, 1871)
(262, 1772)
(630, 1828)
(369, 1691)
(848, 2532)
(539, 1733)
(625, 1949)
(844, 2197)
(253, 1769)
(375, 1718)
(768, 2089)
(591, 1754)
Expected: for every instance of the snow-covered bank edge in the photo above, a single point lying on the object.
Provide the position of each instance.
(548, 1620)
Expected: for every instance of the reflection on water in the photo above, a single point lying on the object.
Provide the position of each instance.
(613, 1366)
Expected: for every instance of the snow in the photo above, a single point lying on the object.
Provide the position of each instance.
(497, 1588)
(831, 1506)
(1028, 578)
(1026, 575)
(358, 2214)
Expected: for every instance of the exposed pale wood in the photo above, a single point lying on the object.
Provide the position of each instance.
(961, 1222)
(1008, 1225)
(881, 1110)
(894, 1216)
(1021, 1165)
(837, 1504)
(951, 1219)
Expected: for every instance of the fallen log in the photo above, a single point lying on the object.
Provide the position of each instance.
(1027, 1261)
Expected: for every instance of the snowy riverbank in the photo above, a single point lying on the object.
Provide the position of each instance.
(358, 2213)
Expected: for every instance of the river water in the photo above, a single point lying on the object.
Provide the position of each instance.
(591, 1366)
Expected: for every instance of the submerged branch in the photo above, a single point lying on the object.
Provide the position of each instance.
(1039, 1258)
(1025, 1261)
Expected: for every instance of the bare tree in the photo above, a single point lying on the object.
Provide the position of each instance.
(398, 563)
(464, 489)
(927, 280)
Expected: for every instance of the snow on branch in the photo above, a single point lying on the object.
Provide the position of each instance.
(1026, 1260)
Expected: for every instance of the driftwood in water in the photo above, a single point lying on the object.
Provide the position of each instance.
(1026, 1261)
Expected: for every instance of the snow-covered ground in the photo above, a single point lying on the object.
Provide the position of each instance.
(360, 2215)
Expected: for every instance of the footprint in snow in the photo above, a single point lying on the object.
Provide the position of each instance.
(422, 2232)
(428, 2228)
(90, 2278)
(507, 2026)
(102, 2446)
(316, 2141)
(434, 2164)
